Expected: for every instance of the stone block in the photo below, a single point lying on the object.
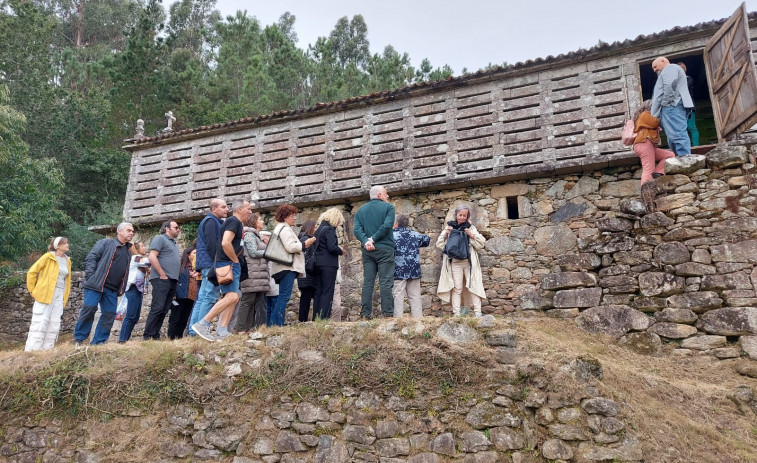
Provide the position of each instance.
(671, 315)
(629, 450)
(634, 257)
(649, 304)
(620, 189)
(749, 345)
(632, 206)
(660, 284)
(643, 342)
(704, 342)
(615, 320)
(457, 333)
(487, 415)
(697, 302)
(694, 269)
(724, 156)
(568, 432)
(537, 300)
(655, 220)
(578, 298)
(510, 190)
(555, 240)
(600, 406)
(505, 438)
(578, 262)
(743, 251)
(730, 281)
(685, 165)
(674, 201)
(673, 330)
(671, 253)
(729, 321)
(563, 280)
(501, 245)
(555, 449)
(614, 224)
(563, 313)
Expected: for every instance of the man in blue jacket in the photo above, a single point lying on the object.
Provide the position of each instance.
(105, 270)
(373, 227)
(208, 242)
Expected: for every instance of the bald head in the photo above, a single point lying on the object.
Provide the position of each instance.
(659, 64)
(219, 208)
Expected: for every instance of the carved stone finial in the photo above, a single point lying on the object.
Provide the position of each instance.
(140, 129)
(171, 119)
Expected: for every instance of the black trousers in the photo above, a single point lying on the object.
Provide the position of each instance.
(306, 297)
(163, 292)
(325, 278)
(251, 312)
(177, 321)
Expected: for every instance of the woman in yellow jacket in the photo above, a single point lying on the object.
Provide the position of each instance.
(49, 282)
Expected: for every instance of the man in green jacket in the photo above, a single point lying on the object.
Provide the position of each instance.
(374, 223)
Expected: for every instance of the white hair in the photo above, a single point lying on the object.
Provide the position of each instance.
(375, 191)
(122, 225)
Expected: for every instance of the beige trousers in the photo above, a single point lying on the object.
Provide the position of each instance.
(412, 288)
(460, 275)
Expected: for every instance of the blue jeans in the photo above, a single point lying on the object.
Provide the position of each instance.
(674, 121)
(278, 314)
(236, 271)
(207, 296)
(270, 303)
(133, 311)
(107, 300)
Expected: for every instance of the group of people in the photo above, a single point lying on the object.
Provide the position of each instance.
(671, 109)
(243, 276)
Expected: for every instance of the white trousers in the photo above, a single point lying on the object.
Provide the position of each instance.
(460, 274)
(412, 288)
(45, 325)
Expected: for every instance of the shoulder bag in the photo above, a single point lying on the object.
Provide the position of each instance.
(275, 251)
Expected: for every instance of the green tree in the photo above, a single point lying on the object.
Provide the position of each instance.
(427, 73)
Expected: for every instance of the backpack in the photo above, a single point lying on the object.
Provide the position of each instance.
(628, 135)
(457, 245)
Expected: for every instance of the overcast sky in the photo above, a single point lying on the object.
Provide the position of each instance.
(473, 33)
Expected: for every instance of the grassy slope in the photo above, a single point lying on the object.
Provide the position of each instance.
(677, 406)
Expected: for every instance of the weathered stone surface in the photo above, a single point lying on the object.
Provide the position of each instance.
(620, 188)
(287, 441)
(578, 298)
(704, 342)
(486, 415)
(585, 368)
(617, 281)
(747, 369)
(361, 434)
(673, 330)
(655, 220)
(731, 281)
(505, 438)
(743, 251)
(501, 245)
(568, 432)
(701, 256)
(685, 164)
(697, 302)
(502, 338)
(309, 413)
(727, 156)
(729, 321)
(537, 300)
(392, 447)
(614, 224)
(425, 457)
(682, 234)
(511, 189)
(567, 211)
(674, 201)
(660, 284)
(473, 441)
(749, 345)
(632, 206)
(633, 257)
(629, 450)
(457, 333)
(554, 449)
(600, 406)
(672, 315)
(578, 262)
(694, 269)
(555, 240)
(607, 244)
(585, 186)
(671, 253)
(615, 320)
(263, 446)
(331, 450)
(386, 429)
(644, 342)
(444, 444)
(563, 280)
(649, 304)
(482, 457)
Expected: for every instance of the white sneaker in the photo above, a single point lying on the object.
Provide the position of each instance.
(203, 331)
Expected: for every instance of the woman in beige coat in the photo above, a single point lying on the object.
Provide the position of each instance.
(283, 274)
(461, 281)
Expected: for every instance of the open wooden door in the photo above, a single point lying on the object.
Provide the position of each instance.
(731, 76)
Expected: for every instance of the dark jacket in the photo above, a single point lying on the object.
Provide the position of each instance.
(307, 281)
(327, 250)
(97, 264)
(375, 219)
(407, 260)
(208, 241)
(184, 288)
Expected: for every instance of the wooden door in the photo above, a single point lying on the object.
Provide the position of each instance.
(731, 76)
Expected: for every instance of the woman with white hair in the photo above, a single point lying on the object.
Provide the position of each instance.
(461, 280)
(327, 254)
(49, 283)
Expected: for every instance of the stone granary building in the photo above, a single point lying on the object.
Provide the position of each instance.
(534, 148)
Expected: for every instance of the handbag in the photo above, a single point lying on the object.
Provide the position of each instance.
(225, 275)
(628, 136)
(276, 252)
(310, 253)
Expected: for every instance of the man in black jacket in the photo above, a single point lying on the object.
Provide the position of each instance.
(105, 271)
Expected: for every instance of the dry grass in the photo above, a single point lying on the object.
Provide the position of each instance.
(678, 407)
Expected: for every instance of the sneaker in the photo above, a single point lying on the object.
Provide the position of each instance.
(203, 331)
(222, 332)
(77, 344)
(657, 175)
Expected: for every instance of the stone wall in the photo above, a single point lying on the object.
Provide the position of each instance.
(529, 410)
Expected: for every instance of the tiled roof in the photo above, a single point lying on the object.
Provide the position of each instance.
(378, 97)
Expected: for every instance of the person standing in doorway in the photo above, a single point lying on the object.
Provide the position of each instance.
(671, 103)
(691, 123)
